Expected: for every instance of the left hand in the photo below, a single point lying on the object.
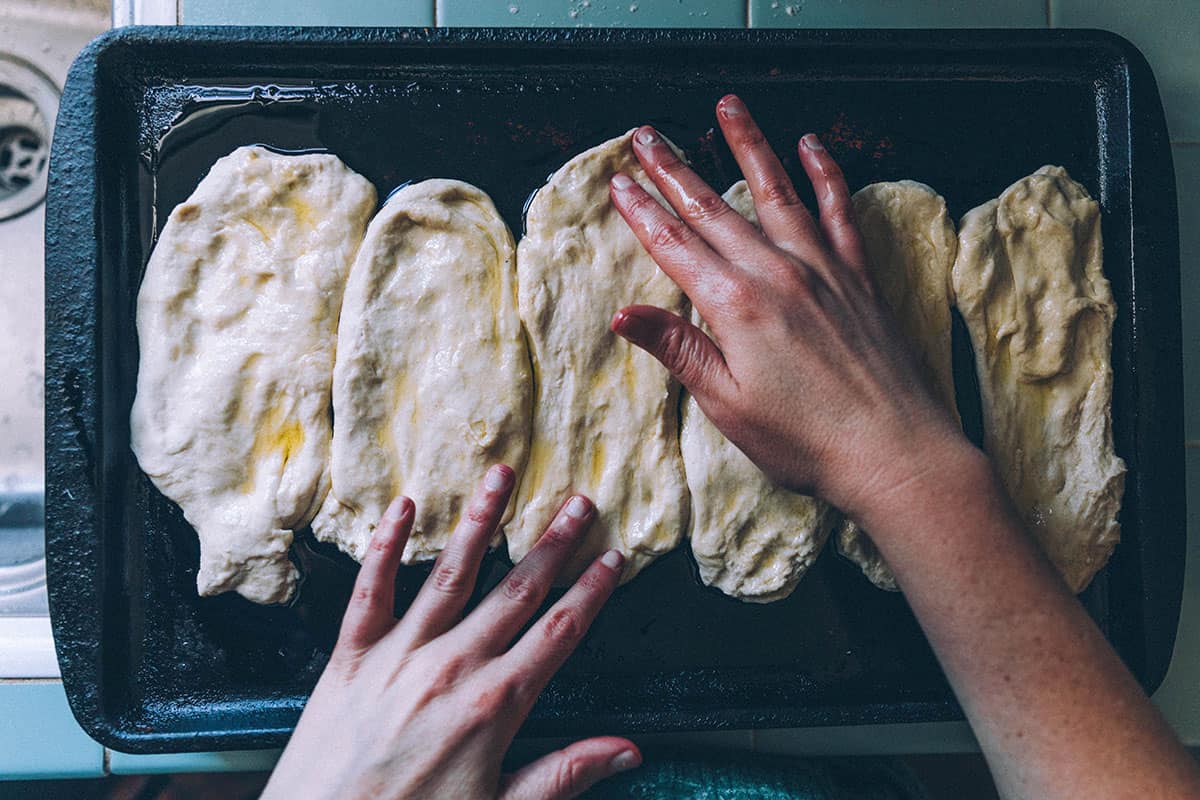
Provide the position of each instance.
(426, 706)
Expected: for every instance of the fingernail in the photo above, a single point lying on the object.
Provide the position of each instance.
(397, 509)
(811, 141)
(577, 508)
(625, 760)
(647, 136)
(732, 106)
(612, 559)
(622, 182)
(630, 326)
(497, 478)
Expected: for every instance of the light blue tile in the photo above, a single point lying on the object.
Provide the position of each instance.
(1177, 697)
(593, 13)
(231, 761)
(39, 737)
(1187, 184)
(317, 12)
(893, 14)
(1167, 31)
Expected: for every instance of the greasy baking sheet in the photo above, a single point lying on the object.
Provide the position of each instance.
(150, 667)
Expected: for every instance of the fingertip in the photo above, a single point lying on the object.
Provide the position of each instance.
(646, 136)
(614, 560)
(731, 106)
(629, 325)
(579, 507)
(627, 759)
(810, 142)
(399, 510)
(620, 182)
(499, 477)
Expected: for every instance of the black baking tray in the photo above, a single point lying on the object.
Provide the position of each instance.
(150, 667)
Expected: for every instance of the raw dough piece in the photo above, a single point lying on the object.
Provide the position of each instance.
(751, 539)
(910, 246)
(605, 417)
(1030, 285)
(236, 319)
(431, 383)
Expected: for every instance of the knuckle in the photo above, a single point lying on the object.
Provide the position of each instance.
(490, 703)
(570, 775)
(750, 136)
(640, 203)
(564, 627)
(593, 581)
(779, 192)
(739, 299)
(561, 534)
(674, 347)
(448, 674)
(521, 589)
(707, 207)
(479, 516)
(669, 164)
(669, 235)
(381, 542)
(450, 578)
(365, 594)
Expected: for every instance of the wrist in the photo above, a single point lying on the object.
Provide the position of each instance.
(924, 475)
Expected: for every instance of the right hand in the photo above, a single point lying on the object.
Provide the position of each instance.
(805, 371)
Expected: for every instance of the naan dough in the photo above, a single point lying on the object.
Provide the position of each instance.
(751, 539)
(910, 246)
(605, 417)
(1029, 284)
(432, 379)
(236, 320)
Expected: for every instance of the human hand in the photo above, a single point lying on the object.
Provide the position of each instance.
(426, 706)
(805, 369)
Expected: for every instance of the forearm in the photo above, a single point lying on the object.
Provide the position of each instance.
(1054, 709)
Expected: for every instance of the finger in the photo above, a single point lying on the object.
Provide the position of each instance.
(685, 350)
(782, 215)
(371, 612)
(726, 231)
(675, 247)
(445, 592)
(494, 623)
(833, 199)
(573, 770)
(544, 648)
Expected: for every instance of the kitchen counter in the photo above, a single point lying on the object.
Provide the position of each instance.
(38, 736)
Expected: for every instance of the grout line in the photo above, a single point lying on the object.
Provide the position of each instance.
(435, 13)
(1192, 443)
(1049, 13)
(107, 761)
(1186, 143)
(747, 25)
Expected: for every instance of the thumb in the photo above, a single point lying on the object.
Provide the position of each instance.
(686, 351)
(573, 770)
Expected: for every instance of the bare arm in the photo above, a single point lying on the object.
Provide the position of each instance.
(807, 374)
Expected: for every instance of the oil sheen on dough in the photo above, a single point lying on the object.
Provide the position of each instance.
(432, 379)
(1029, 283)
(910, 246)
(237, 318)
(751, 539)
(605, 420)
